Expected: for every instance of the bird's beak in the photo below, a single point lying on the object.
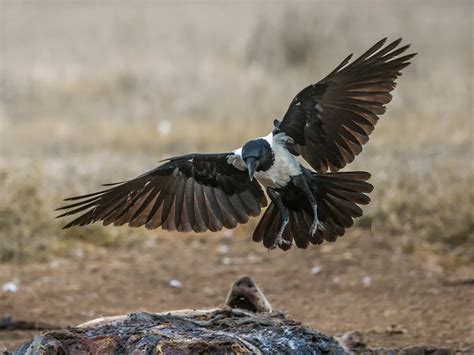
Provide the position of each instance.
(251, 166)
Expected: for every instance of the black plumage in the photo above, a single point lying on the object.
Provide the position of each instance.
(195, 192)
(330, 121)
(327, 123)
(337, 195)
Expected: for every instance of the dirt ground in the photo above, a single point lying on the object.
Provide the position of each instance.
(363, 282)
(95, 93)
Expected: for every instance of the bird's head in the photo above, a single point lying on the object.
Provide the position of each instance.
(257, 155)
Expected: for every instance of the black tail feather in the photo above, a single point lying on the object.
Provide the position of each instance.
(337, 195)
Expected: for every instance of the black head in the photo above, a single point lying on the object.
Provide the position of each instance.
(258, 156)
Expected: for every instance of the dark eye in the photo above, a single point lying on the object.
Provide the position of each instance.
(249, 285)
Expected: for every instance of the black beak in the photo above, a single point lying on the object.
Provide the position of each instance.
(251, 166)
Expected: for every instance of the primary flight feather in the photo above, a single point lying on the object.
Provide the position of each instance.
(327, 123)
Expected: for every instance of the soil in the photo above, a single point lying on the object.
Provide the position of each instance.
(363, 283)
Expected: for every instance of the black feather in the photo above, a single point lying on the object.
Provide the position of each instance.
(192, 192)
(331, 120)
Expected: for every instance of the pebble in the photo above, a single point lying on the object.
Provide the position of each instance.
(175, 283)
(367, 280)
(223, 249)
(10, 286)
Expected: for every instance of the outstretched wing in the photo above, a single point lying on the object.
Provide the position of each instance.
(196, 192)
(330, 121)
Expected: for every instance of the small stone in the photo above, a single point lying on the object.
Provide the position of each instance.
(366, 280)
(226, 261)
(223, 249)
(228, 233)
(10, 286)
(175, 283)
(253, 258)
(315, 270)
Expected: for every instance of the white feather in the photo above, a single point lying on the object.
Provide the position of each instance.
(284, 166)
(236, 160)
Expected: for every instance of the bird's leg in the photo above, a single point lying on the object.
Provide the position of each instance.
(284, 219)
(300, 182)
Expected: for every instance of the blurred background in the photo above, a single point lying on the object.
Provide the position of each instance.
(95, 92)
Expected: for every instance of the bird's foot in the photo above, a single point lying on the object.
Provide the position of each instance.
(279, 241)
(316, 226)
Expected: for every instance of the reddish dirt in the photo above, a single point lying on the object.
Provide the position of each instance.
(365, 283)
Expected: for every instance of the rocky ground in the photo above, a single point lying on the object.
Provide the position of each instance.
(362, 283)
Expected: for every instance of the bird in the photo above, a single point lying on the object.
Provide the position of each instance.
(326, 125)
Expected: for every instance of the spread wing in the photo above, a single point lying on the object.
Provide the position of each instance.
(196, 192)
(330, 121)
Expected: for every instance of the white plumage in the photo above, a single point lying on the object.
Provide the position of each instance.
(284, 166)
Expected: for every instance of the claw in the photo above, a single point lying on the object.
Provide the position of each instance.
(279, 241)
(315, 227)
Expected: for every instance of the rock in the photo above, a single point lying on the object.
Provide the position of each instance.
(224, 330)
(220, 330)
(355, 343)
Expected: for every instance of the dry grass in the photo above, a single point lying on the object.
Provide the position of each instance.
(30, 232)
(87, 97)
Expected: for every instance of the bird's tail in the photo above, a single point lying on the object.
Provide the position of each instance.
(337, 195)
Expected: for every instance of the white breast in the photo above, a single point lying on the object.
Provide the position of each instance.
(284, 166)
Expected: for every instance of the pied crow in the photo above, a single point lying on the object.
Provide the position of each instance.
(327, 124)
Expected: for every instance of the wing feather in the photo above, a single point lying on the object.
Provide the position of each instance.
(192, 192)
(200, 210)
(154, 219)
(331, 120)
(141, 216)
(213, 210)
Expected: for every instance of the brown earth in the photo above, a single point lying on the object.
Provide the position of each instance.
(87, 88)
(365, 283)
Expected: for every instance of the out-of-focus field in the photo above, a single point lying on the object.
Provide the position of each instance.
(99, 92)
